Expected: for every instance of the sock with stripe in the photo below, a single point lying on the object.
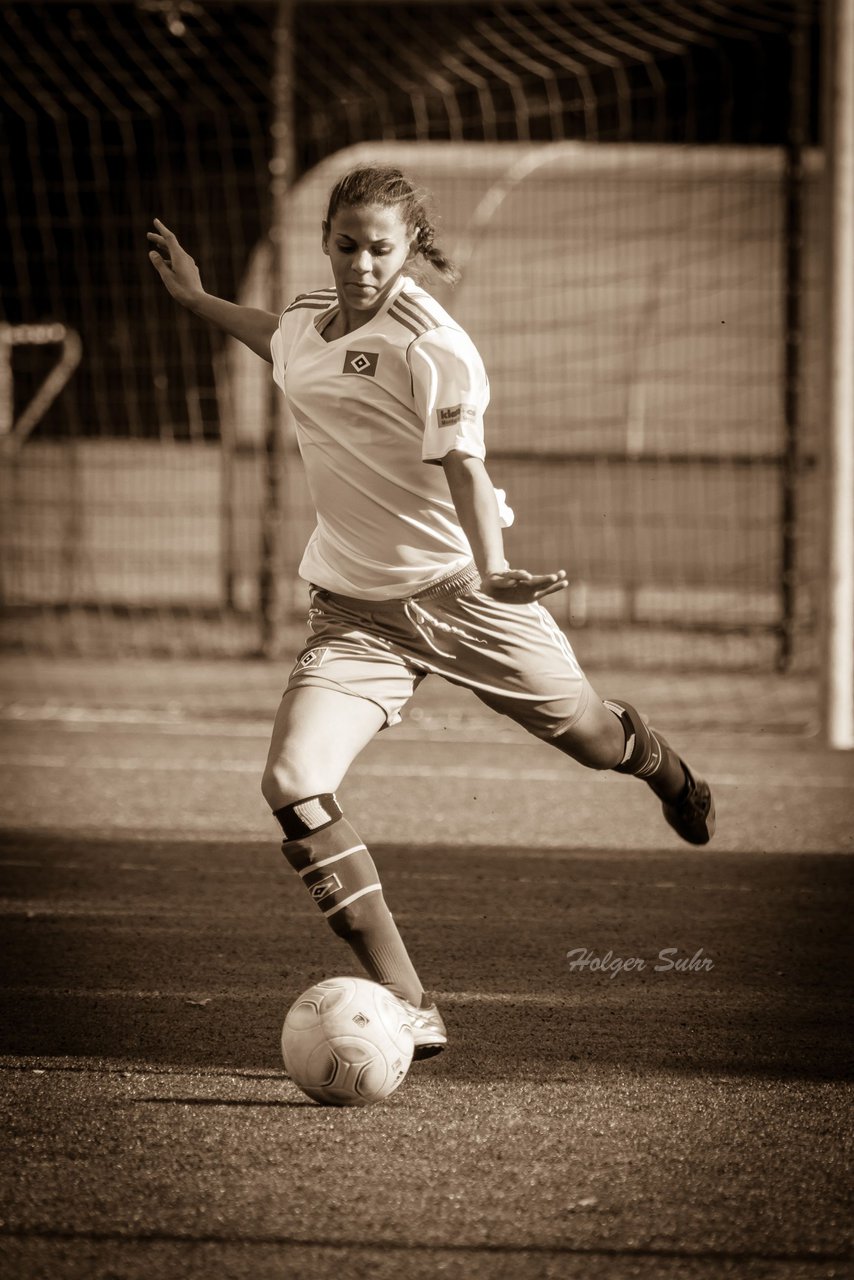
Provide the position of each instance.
(648, 755)
(342, 878)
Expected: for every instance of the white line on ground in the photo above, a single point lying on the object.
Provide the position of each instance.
(450, 725)
(453, 725)
(487, 773)
(200, 999)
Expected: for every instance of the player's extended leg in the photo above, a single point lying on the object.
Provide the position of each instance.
(317, 734)
(518, 661)
(614, 735)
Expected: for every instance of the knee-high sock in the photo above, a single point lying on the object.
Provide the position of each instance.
(342, 878)
(648, 755)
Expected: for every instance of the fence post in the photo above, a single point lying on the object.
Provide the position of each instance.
(793, 239)
(282, 168)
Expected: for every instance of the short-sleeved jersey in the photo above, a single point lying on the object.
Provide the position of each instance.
(371, 408)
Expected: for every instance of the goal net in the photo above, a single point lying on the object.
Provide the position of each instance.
(632, 192)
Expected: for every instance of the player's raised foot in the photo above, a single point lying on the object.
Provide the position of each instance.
(693, 816)
(428, 1030)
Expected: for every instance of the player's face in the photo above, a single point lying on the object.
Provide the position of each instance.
(368, 248)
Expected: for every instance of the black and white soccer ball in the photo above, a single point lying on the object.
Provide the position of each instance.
(347, 1042)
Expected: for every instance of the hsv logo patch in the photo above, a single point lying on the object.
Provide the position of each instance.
(313, 658)
(363, 362)
(323, 888)
(457, 414)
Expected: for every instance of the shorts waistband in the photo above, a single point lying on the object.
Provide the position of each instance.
(451, 584)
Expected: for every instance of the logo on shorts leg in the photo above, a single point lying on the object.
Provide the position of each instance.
(311, 658)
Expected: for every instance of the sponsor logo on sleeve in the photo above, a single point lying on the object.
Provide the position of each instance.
(457, 415)
(363, 362)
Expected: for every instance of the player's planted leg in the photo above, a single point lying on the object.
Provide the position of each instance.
(686, 801)
(342, 878)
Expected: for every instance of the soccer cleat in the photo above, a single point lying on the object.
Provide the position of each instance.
(428, 1030)
(693, 817)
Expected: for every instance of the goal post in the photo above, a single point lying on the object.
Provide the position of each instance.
(839, 151)
(14, 428)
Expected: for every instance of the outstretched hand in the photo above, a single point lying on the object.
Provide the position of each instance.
(174, 265)
(517, 586)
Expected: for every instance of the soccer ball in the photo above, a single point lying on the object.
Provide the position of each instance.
(347, 1042)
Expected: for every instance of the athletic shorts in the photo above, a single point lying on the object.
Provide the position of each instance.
(514, 657)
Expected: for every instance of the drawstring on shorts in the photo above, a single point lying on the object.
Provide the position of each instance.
(426, 622)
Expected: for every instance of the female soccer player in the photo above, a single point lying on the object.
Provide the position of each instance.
(406, 565)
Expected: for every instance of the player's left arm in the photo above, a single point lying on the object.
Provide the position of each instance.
(477, 508)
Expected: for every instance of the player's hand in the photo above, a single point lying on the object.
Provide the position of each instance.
(517, 586)
(174, 265)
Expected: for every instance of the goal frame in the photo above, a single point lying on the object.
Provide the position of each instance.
(838, 666)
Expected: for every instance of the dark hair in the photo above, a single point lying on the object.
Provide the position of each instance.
(389, 187)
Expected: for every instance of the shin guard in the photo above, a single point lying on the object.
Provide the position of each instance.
(647, 754)
(342, 878)
(327, 854)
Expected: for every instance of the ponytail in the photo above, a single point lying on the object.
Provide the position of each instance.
(430, 251)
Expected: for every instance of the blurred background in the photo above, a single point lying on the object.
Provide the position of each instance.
(632, 191)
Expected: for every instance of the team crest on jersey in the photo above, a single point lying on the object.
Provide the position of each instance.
(363, 362)
(457, 414)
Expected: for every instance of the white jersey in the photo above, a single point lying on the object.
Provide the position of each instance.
(371, 408)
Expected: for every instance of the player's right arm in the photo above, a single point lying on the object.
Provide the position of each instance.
(180, 275)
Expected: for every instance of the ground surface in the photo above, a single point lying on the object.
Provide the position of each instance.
(672, 1123)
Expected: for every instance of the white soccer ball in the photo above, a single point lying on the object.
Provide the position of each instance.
(347, 1042)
